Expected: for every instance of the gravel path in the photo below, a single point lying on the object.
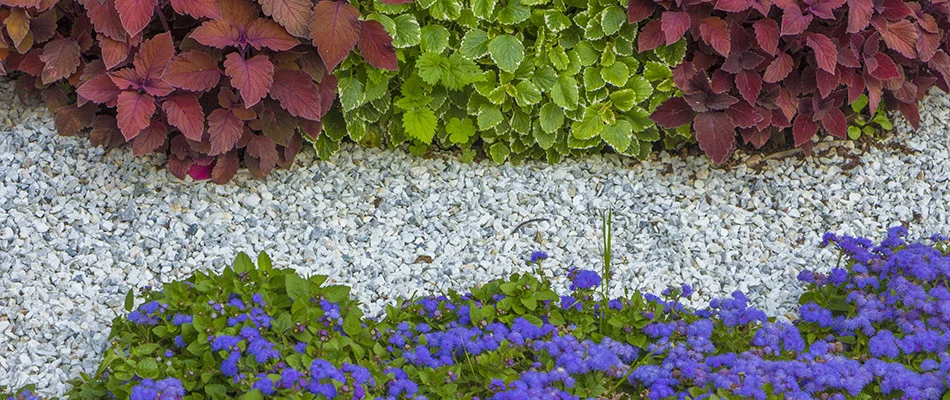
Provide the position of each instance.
(78, 227)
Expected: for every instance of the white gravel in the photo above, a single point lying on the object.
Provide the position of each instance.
(79, 227)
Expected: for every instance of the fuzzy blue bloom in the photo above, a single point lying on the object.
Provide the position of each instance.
(585, 279)
(537, 256)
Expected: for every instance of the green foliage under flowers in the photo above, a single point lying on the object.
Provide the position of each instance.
(861, 125)
(521, 79)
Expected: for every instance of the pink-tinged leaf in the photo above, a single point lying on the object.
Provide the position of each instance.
(61, 59)
(750, 85)
(826, 82)
(766, 31)
(154, 54)
(716, 134)
(135, 111)
(780, 67)
(639, 10)
(225, 168)
(225, 130)
(651, 36)
(894, 10)
(290, 152)
(715, 32)
(72, 118)
(927, 44)
(264, 33)
(105, 132)
(824, 9)
(240, 13)
(673, 113)
(185, 113)
(150, 139)
(193, 70)
(941, 63)
(251, 77)
(674, 25)
(757, 138)
(105, 18)
(721, 81)
(834, 123)
(264, 149)
(298, 94)
(826, 52)
(327, 90)
(127, 78)
(312, 129)
(201, 170)
(743, 115)
(733, 5)
(43, 26)
(901, 36)
(788, 103)
(135, 14)
(217, 33)
(803, 129)
(376, 46)
(794, 22)
(179, 167)
(113, 52)
(765, 118)
(99, 90)
(197, 8)
(859, 15)
(157, 87)
(334, 30)
(886, 69)
(293, 15)
(875, 91)
(910, 111)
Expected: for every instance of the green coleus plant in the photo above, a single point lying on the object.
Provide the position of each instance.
(519, 79)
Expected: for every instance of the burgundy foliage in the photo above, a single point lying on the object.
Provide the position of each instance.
(761, 67)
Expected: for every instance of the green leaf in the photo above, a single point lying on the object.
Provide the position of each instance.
(556, 21)
(435, 38)
(352, 321)
(460, 130)
(483, 9)
(623, 99)
(544, 77)
(641, 86)
(507, 52)
(552, 117)
(586, 54)
(264, 262)
(611, 19)
(474, 44)
(593, 79)
(255, 394)
(430, 67)
(559, 58)
(446, 10)
(297, 288)
(217, 391)
(460, 72)
(420, 124)
(640, 119)
(130, 299)
(616, 74)
(654, 71)
(513, 13)
(564, 93)
(854, 132)
(407, 32)
(488, 117)
(588, 127)
(147, 368)
(242, 263)
(672, 54)
(618, 135)
(527, 93)
(499, 152)
(860, 103)
(351, 93)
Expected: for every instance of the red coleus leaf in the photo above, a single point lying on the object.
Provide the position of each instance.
(757, 138)
(716, 134)
(113, 52)
(17, 25)
(910, 111)
(803, 129)
(715, 32)
(901, 36)
(266, 33)
(673, 113)
(927, 44)
(201, 169)
(767, 32)
(826, 52)
(225, 167)
(743, 114)
(135, 14)
(334, 30)
(826, 82)
(749, 84)
(60, 58)
(134, 112)
(885, 68)
(150, 139)
(105, 18)
(298, 94)
(73, 118)
(721, 81)
(185, 113)
(293, 15)
(894, 10)
(794, 22)
(197, 8)
(127, 78)
(674, 25)
(651, 36)
(105, 132)
(376, 46)
(193, 70)
(225, 129)
(639, 10)
(99, 90)
(217, 33)
(265, 150)
(252, 77)
(154, 55)
(834, 123)
(824, 8)
(733, 5)
(859, 15)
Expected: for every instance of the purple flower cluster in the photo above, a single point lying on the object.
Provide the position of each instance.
(165, 389)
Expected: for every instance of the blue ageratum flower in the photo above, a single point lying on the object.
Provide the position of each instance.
(585, 279)
(538, 256)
